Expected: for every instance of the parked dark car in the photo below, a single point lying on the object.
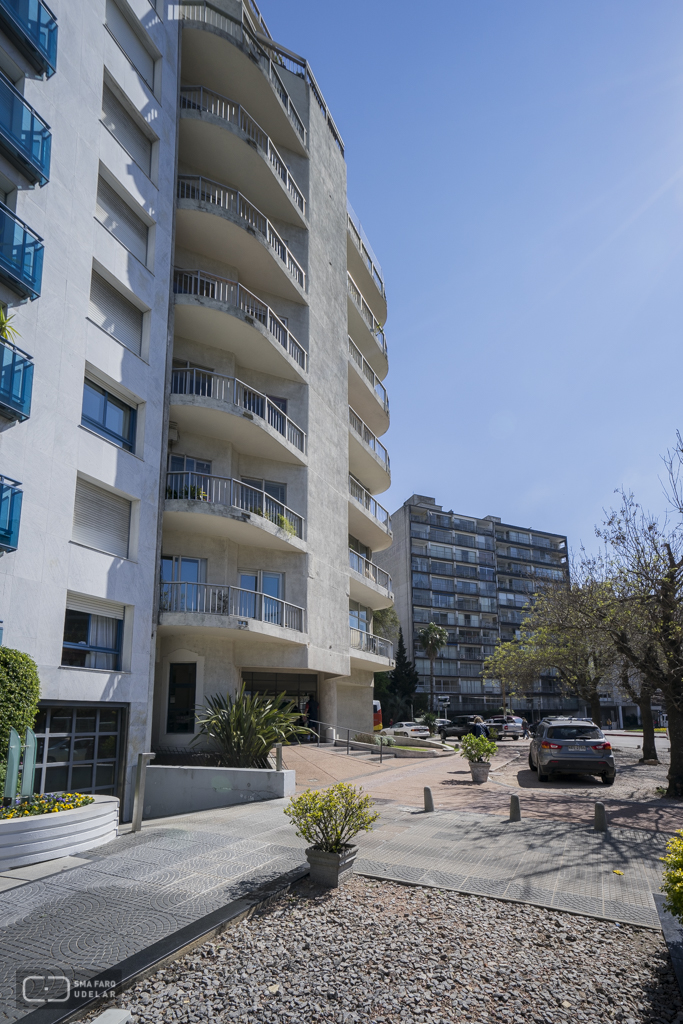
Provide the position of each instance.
(459, 727)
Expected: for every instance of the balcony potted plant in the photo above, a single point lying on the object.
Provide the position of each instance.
(328, 820)
(478, 750)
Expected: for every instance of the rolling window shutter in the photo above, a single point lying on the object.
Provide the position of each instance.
(124, 129)
(101, 519)
(94, 605)
(130, 43)
(121, 220)
(111, 311)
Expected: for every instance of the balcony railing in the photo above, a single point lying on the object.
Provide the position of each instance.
(364, 248)
(207, 599)
(10, 513)
(206, 13)
(361, 641)
(370, 375)
(230, 390)
(196, 97)
(221, 490)
(229, 293)
(357, 424)
(32, 26)
(21, 255)
(204, 190)
(369, 570)
(374, 325)
(16, 382)
(25, 137)
(371, 505)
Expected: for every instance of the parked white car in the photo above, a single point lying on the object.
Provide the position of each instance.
(419, 732)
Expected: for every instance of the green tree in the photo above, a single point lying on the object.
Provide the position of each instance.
(19, 696)
(385, 624)
(396, 690)
(432, 639)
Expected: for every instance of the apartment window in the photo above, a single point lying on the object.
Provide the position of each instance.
(182, 583)
(93, 632)
(101, 519)
(182, 697)
(130, 42)
(185, 464)
(360, 617)
(115, 314)
(108, 416)
(121, 220)
(274, 489)
(127, 133)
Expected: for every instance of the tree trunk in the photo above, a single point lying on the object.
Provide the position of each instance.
(649, 748)
(676, 743)
(596, 711)
(431, 684)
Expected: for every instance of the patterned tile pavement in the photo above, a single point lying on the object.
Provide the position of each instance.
(125, 896)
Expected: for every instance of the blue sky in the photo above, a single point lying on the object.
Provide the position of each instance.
(518, 168)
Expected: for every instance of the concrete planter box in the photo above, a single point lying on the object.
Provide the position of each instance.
(416, 752)
(173, 790)
(43, 837)
(331, 869)
(480, 770)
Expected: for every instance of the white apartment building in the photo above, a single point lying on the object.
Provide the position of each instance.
(190, 416)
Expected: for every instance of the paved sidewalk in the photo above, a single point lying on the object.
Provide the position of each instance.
(143, 887)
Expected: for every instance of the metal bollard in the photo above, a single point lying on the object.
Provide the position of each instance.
(138, 802)
(515, 809)
(278, 757)
(381, 748)
(348, 741)
(429, 799)
(600, 824)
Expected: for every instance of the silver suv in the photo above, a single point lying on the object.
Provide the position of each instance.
(564, 746)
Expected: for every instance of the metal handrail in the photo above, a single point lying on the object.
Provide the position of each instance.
(378, 388)
(357, 424)
(222, 490)
(231, 390)
(230, 293)
(204, 190)
(200, 10)
(371, 505)
(197, 97)
(369, 570)
(209, 599)
(373, 324)
(371, 644)
(364, 248)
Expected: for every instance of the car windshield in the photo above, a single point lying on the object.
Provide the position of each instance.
(574, 732)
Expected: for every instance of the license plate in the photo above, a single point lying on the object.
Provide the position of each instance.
(576, 748)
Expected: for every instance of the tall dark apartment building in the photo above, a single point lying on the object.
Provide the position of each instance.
(473, 576)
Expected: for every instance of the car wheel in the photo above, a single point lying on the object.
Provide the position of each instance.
(542, 777)
(607, 780)
(515, 737)
(531, 763)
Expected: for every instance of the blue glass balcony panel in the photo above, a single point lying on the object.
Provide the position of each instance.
(10, 513)
(21, 255)
(16, 382)
(32, 27)
(25, 138)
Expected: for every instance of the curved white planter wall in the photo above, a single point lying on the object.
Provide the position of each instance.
(47, 836)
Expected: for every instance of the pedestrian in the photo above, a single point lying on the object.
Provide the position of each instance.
(525, 729)
(480, 728)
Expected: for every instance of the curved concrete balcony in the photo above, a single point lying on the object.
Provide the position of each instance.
(368, 458)
(363, 266)
(369, 651)
(219, 222)
(203, 608)
(255, 334)
(228, 409)
(217, 506)
(368, 520)
(245, 70)
(219, 137)
(365, 330)
(367, 394)
(369, 584)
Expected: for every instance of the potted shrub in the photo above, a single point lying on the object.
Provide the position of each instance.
(478, 750)
(328, 820)
(672, 883)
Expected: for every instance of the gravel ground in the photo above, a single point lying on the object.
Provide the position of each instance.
(379, 953)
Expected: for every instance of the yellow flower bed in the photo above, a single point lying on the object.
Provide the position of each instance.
(49, 803)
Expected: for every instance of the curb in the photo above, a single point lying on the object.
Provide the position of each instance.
(140, 965)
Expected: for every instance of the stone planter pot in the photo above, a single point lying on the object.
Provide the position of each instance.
(42, 837)
(480, 770)
(331, 869)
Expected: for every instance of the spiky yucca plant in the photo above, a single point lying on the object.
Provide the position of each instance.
(245, 728)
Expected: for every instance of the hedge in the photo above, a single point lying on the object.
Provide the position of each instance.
(19, 695)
